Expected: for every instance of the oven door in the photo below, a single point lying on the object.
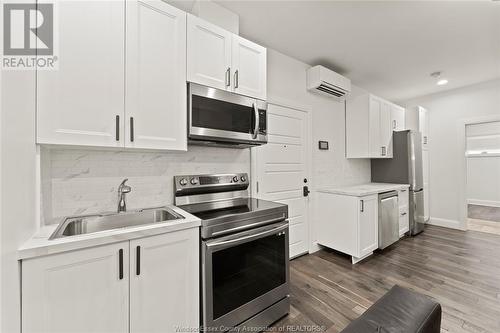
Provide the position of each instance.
(244, 274)
(218, 115)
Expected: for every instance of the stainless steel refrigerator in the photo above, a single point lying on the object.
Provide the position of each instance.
(405, 168)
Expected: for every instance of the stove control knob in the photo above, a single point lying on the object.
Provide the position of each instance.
(235, 179)
(194, 181)
(183, 182)
(243, 179)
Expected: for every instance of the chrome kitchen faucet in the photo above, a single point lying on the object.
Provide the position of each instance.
(122, 190)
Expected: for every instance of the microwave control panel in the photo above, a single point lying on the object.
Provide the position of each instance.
(262, 121)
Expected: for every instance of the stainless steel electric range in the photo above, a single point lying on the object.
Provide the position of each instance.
(244, 251)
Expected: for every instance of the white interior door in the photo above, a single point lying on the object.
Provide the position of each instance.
(155, 76)
(280, 168)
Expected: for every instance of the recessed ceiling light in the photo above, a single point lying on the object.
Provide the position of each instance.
(440, 81)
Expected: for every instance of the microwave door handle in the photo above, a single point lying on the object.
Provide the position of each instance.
(247, 238)
(257, 120)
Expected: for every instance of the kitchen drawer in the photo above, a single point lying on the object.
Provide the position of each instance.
(403, 210)
(403, 197)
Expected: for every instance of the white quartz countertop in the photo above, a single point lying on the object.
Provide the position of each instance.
(364, 189)
(41, 245)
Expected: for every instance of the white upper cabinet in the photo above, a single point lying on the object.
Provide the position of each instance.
(368, 127)
(104, 95)
(417, 119)
(398, 118)
(155, 93)
(79, 291)
(208, 54)
(164, 280)
(385, 130)
(249, 66)
(81, 103)
(220, 59)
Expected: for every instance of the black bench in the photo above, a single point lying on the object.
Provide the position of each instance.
(399, 311)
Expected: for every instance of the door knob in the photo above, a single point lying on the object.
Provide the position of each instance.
(306, 191)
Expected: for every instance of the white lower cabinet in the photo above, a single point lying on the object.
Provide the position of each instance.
(403, 199)
(100, 289)
(368, 225)
(164, 292)
(78, 291)
(348, 224)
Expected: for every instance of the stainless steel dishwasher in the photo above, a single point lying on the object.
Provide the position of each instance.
(388, 219)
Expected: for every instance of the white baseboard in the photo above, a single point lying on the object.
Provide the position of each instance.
(489, 203)
(314, 247)
(452, 224)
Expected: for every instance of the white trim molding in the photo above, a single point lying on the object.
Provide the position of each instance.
(452, 224)
(479, 202)
(462, 167)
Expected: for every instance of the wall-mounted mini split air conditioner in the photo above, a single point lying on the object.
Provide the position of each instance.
(325, 81)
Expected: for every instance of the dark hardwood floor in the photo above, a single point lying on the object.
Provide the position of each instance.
(461, 270)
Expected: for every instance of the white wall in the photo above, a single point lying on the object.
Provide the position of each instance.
(447, 113)
(18, 221)
(286, 84)
(483, 180)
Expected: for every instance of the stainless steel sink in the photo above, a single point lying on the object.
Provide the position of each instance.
(79, 225)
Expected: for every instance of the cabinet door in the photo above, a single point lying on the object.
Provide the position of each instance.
(403, 198)
(423, 123)
(426, 168)
(81, 103)
(78, 291)
(368, 225)
(385, 129)
(164, 282)
(208, 54)
(249, 68)
(374, 127)
(155, 76)
(398, 118)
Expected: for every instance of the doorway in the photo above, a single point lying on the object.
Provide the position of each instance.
(483, 176)
(281, 169)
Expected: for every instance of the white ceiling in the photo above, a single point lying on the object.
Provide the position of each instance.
(389, 47)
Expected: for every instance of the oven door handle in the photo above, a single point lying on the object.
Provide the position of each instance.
(257, 121)
(247, 238)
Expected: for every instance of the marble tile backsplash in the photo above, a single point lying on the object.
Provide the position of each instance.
(86, 181)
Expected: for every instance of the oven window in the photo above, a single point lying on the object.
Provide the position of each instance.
(244, 272)
(220, 115)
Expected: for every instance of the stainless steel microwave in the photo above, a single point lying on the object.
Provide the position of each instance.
(219, 117)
